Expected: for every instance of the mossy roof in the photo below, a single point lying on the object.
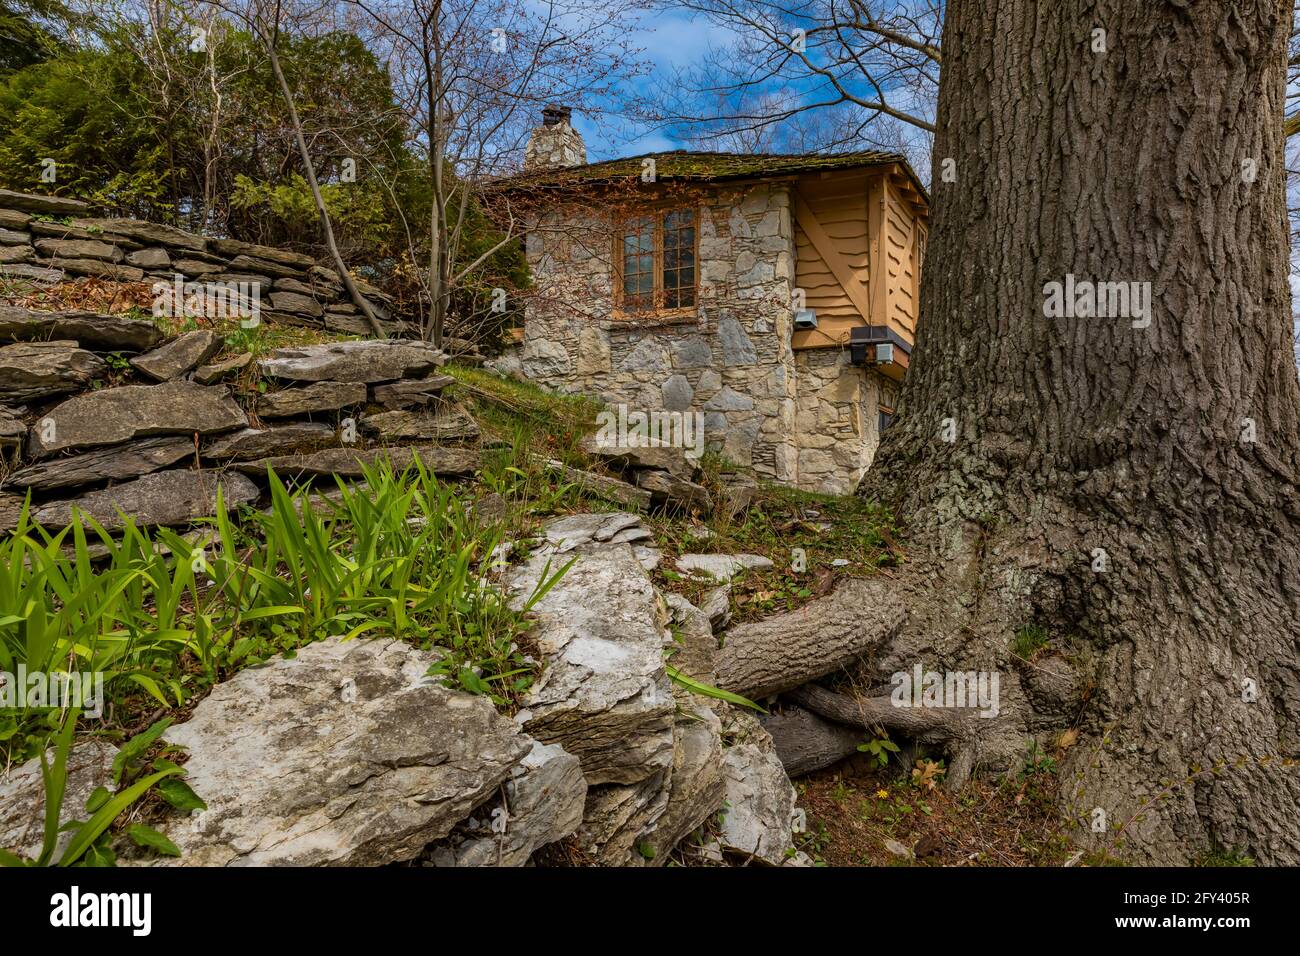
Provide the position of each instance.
(686, 166)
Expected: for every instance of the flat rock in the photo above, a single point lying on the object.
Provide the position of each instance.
(411, 392)
(262, 267)
(251, 443)
(164, 498)
(36, 369)
(116, 415)
(234, 247)
(344, 755)
(88, 329)
(296, 302)
(115, 463)
(12, 430)
(152, 258)
(37, 275)
(46, 205)
(13, 219)
(666, 488)
(716, 606)
(722, 567)
(444, 424)
(604, 695)
(663, 457)
(79, 249)
(611, 489)
(758, 819)
(179, 355)
(22, 795)
(16, 254)
(543, 803)
(150, 233)
(367, 361)
(97, 267)
(316, 397)
(352, 462)
(211, 374)
(12, 237)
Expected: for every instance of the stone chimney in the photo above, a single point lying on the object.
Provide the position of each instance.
(555, 144)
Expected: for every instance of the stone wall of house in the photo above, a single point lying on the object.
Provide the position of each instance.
(731, 361)
(837, 420)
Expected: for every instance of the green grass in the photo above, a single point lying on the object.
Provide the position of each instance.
(1029, 640)
(164, 616)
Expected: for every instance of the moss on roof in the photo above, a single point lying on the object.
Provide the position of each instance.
(685, 166)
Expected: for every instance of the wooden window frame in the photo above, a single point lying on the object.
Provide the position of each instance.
(657, 313)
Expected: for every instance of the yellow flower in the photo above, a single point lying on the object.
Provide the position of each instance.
(883, 794)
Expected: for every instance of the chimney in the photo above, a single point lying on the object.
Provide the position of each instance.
(555, 144)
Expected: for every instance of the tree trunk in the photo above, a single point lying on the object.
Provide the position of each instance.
(1129, 486)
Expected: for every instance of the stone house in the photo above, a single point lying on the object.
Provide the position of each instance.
(775, 295)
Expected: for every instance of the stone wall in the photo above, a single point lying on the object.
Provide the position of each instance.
(731, 360)
(45, 239)
(809, 419)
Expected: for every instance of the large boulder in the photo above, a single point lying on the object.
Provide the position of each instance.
(163, 498)
(88, 329)
(365, 361)
(36, 369)
(604, 694)
(179, 355)
(344, 755)
(116, 415)
(114, 463)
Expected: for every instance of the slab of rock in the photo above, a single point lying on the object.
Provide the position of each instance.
(264, 267)
(37, 275)
(12, 430)
(805, 742)
(116, 415)
(211, 374)
(351, 462)
(411, 392)
(737, 493)
(295, 302)
(344, 755)
(666, 488)
(97, 267)
(618, 817)
(89, 329)
(22, 795)
(444, 424)
(604, 695)
(723, 567)
(251, 443)
(543, 803)
(150, 233)
(114, 463)
(47, 205)
(163, 498)
(35, 369)
(13, 219)
(78, 249)
(179, 355)
(372, 361)
(759, 815)
(619, 492)
(11, 237)
(697, 789)
(60, 230)
(153, 258)
(663, 457)
(197, 268)
(716, 606)
(233, 247)
(316, 397)
(16, 255)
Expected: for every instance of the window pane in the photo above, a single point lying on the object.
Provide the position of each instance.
(679, 259)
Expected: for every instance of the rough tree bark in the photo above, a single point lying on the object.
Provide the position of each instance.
(1133, 489)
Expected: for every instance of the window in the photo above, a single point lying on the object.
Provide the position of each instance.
(657, 262)
(886, 418)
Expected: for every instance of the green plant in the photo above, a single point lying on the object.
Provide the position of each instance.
(880, 748)
(88, 844)
(1029, 640)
